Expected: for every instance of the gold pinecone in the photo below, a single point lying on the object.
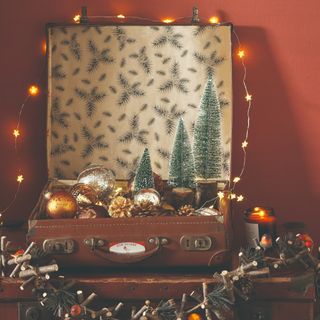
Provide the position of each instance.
(120, 207)
(186, 210)
(144, 209)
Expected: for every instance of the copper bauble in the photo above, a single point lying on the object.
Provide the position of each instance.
(194, 316)
(93, 212)
(84, 194)
(102, 180)
(75, 310)
(61, 205)
(150, 195)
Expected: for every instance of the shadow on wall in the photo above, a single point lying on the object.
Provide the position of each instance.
(275, 173)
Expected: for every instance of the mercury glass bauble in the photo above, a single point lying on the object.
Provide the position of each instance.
(149, 195)
(102, 180)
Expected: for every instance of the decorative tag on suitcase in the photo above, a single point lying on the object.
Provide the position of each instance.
(139, 144)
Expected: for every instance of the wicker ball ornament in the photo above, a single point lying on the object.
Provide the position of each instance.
(61, 205)
(102, 180)
(120, 207)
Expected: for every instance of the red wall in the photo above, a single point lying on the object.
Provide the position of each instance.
(282, 39)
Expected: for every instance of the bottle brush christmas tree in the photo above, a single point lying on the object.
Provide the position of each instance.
(207, 146)
(181, 165)
(144, 176)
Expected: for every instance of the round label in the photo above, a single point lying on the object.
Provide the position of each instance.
(127, 247)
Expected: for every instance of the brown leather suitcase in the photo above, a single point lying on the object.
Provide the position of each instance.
(165, 241)
(91, 120)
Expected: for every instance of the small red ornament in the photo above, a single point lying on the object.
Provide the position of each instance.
(306, 239)
(75, 310)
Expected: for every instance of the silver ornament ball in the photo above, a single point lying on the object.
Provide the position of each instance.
(102, 180)
(147, 195)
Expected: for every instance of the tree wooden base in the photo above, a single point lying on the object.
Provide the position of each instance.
(205, 191)
(182, 196)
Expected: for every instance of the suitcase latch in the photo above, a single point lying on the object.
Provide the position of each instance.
(195, 243)
(58, 246)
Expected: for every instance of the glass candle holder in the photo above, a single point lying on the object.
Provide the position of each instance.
(259, 221)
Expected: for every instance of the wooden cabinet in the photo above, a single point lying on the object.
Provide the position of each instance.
(273, 298)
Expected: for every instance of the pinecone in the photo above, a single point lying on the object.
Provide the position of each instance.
(144, 209)
(186, 210)
(120, 207)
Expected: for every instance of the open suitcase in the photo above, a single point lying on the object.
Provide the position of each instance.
(112, 91)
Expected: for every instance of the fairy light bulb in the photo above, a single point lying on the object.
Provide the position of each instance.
(76, 18)
(240, 198)
(236, 179)
(167, 20)
(214, 20)
(233, 196)
(34, 90)
(20, 178)
(248, 97)
(220, 194)
(241, 53)
(44, 47)
(16, 133)
(120, 16)
(244, 144)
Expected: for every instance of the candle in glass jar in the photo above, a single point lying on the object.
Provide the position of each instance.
(259, 221)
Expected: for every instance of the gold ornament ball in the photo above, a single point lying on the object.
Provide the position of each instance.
(194, 316)
(84, 194)
(61, 205)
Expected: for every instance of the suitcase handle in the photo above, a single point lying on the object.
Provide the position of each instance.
(95, 246)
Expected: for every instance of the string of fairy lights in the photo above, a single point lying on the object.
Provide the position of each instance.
(34, 90)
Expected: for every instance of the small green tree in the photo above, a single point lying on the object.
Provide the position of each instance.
(207, 146)
(181, 165)
(144, 176)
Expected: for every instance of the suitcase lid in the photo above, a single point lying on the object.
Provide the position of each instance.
(114, 90)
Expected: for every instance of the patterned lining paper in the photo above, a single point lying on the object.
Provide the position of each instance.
(114, 90)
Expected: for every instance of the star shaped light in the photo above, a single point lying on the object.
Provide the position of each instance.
(16, 133)
(249, 97)
(244, 144)
(220, 194)
(241, 53)
(240, 198)
(20, 178)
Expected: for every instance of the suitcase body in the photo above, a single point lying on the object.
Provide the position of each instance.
(107, 101)
(153, 241)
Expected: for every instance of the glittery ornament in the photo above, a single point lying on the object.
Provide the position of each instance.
(100, 179)
(150, 195)
(120, 207)
(194, 316)
(61, 205)
(84, 194)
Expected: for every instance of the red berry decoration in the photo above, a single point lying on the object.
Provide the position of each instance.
(75, 310)
(306, 239)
